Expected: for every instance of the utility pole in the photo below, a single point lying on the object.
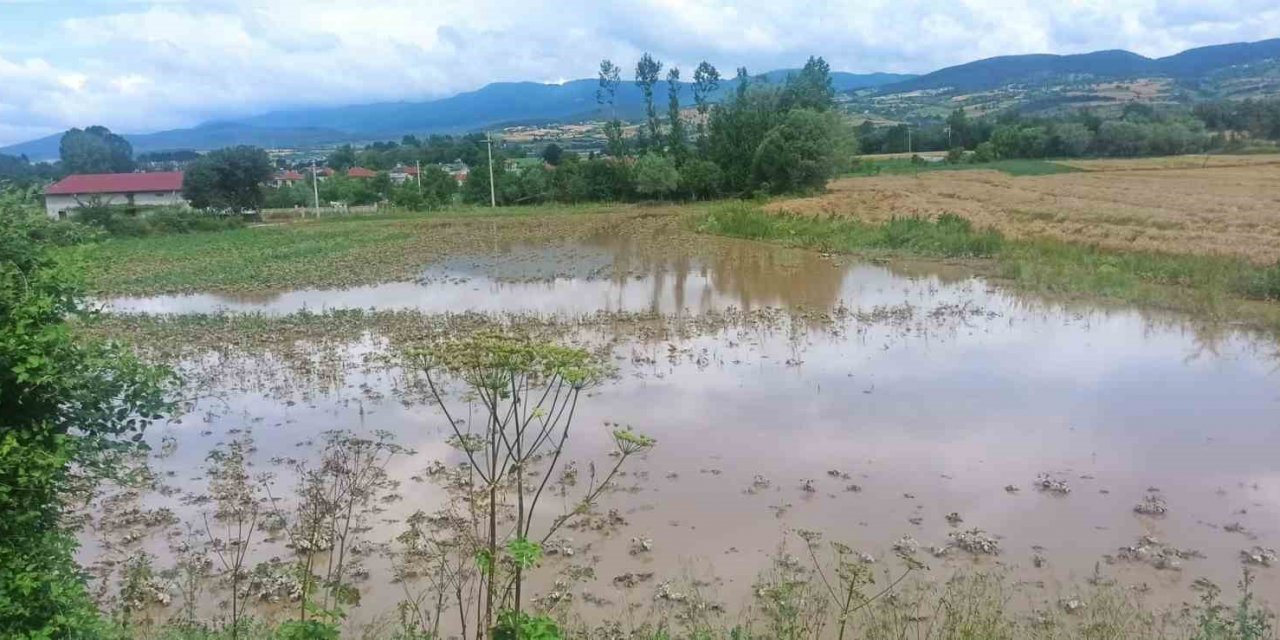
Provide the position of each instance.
(417, 164)
(493, 194)
(315, 186)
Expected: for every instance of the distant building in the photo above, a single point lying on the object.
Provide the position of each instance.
(402, 174)
(286, 179)
(458, 170)
(161, 188)
(360, 172)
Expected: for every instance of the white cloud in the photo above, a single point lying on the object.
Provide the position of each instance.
(143, 66)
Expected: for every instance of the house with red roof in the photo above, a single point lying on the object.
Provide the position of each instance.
(401, 174)
(155, 189)
(360, 172)
(286, 178)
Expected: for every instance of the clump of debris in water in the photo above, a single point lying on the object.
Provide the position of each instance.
(1152, 505)
(1155, 552)
(1050, 484)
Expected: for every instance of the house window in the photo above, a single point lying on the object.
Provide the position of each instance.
(161, 195)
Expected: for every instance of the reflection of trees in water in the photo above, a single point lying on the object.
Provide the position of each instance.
(752, 274)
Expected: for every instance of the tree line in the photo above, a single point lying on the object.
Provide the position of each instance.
(761, 138)
(1138, 130)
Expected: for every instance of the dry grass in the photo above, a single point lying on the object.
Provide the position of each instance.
(1120, 204)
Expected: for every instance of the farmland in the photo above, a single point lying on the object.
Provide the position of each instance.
(733, 331)
(1176, 205)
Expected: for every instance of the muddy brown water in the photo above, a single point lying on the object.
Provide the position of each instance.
(930, 411)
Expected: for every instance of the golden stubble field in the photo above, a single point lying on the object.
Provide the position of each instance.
(1230, 206)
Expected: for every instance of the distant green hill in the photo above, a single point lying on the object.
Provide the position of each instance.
(492, 106)
(1039, 82)
(991, 73)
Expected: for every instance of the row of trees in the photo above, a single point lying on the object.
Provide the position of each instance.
(1258, 118)
(431, 150)
(1139, 129)
(436, 190)
(761, 138)
(91, 150)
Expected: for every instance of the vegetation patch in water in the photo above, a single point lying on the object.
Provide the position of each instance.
(1199, 283)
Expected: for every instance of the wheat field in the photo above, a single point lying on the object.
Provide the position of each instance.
(1229, 207)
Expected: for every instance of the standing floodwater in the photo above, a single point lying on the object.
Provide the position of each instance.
(789, 391)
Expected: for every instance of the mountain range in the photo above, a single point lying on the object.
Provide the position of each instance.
(1001, 71)
(494, 105)
(510, 103)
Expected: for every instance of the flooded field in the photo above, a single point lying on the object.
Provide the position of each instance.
(883, 406)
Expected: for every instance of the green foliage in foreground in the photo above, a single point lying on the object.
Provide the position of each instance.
(122, 222)
(792, 603)
(65, 403)
(1042, 265)
(342, 250)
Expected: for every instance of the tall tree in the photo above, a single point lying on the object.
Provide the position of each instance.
(706, 80)
(342, 158)
(230, 177)
(675, 131)
(744, 81)
(95, 150)
(648, 71)
(958, 124)
(811, 88)
(606, 93)
(552, 154)
(607, 85)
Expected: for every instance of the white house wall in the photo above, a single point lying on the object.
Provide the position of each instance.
(54, 206)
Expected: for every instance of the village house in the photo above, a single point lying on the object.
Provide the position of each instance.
(458, 170)
(360, 172)
(161, 188)
(285, 179)
(401, 174)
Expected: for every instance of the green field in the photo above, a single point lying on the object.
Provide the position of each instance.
(904, 166)
(328, 252)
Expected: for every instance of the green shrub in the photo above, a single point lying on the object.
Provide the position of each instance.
(122, 222)
(1263, 284)
(68, 402)
(307, 630)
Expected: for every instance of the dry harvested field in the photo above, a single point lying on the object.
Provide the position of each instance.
(1230, 207)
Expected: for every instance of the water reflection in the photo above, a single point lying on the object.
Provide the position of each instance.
(931, 411)
(608, 272)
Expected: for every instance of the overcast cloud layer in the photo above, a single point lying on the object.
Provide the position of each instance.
(144, 66)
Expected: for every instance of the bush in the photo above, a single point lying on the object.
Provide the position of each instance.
(955, 155)
(656, 176)
(1263, 284)
(68, 402)
(60, 233)
(122, 223)
(984, 152)
(798, 155)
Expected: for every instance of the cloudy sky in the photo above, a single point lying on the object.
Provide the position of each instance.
(139, 66)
